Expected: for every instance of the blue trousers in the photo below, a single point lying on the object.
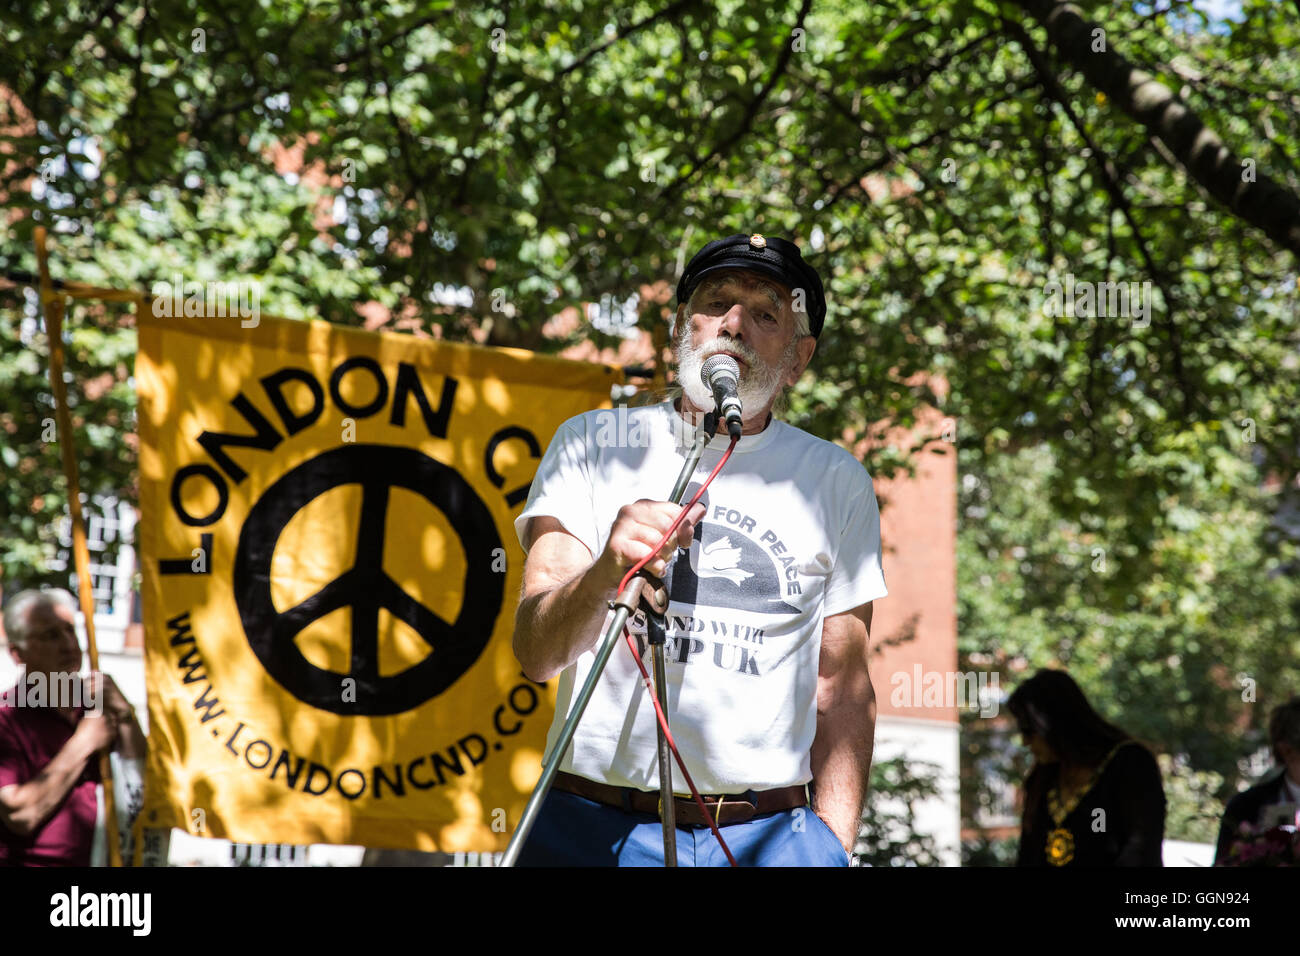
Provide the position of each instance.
(573, 831)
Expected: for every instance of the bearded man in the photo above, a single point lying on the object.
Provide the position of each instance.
(770, 598)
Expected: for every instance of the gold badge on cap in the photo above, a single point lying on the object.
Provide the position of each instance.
(757, 241)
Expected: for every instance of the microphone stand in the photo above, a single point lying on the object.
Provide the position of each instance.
(622, 606)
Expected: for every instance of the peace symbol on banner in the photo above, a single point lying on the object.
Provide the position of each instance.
(366, 588)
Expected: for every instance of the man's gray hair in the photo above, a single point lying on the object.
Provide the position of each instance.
(20, 608)
(801, 324)
(1284, 726)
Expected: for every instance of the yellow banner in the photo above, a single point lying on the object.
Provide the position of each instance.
(330, 578)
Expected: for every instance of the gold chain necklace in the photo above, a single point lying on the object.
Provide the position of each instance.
(1060, 842)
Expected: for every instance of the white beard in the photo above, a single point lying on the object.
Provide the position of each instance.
(759, 382)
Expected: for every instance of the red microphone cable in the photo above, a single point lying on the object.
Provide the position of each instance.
(645, 675)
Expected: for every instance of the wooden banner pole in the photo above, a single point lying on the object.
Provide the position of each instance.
(52, 304)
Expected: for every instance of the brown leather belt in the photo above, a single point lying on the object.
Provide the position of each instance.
(727, 808)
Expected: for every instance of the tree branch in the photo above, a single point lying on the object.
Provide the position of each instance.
(1263, 203)
(637, 27)
(1111, 180)
(747, 120)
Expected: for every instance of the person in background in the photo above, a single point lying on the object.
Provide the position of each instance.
(49, 745)
(1281, 786)
(1093, 796)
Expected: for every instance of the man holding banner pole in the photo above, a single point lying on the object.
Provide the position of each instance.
(53, 726)
(770, 582)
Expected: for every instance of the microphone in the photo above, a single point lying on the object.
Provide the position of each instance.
(721, 373)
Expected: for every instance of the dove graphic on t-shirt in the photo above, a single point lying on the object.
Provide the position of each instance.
(719, 560)
(726, 568)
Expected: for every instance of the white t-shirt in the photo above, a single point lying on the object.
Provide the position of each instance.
(791, 535)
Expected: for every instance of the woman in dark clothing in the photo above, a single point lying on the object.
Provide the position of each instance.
(1093, 796)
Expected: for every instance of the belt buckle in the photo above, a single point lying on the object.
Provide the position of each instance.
(679, 803)
(736, 811)
(745, 807)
